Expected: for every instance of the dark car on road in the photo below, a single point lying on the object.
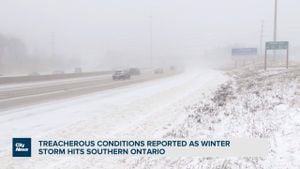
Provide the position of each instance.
(172, 68)
(58, 72)
(77, 70)
(34, 74)
(134, 71)
(159, 71)
(121, 75)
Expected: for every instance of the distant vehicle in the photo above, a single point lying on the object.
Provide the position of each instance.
(58, 72)
(121, 75)
(172, 68)
(34, 74)
(159, 71)
(77, 70)
(134, 71)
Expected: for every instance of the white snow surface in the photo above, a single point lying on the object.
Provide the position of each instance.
(194, 104)
(141, 110)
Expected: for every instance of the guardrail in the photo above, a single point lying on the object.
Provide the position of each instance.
(21, 79)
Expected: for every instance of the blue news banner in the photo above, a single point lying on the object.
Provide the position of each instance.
(26, 147)
(117, 147)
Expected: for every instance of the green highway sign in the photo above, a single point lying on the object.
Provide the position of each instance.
(277, 45)
(280, 45)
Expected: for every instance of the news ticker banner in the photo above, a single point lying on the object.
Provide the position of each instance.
(27, 147)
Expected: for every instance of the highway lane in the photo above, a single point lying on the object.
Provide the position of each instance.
(49, 77)
(40, 88)
(24, 85)
(29, 94)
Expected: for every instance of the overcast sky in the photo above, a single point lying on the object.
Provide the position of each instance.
(93, 27)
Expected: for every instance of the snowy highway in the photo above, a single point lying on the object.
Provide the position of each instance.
(192, 104)
(21, 94)
(136, 110)
(149, 84)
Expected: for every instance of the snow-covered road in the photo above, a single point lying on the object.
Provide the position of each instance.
(24, 94)
(143, 110)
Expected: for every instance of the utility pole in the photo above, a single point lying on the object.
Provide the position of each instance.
(151, 42)
(262, 38)
(275, 22)
(275, 27)
(52, 44)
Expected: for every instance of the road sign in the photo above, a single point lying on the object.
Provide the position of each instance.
(280, 45)
(277, 45)
(244, 51)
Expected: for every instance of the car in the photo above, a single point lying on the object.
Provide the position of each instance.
(172, 68)
(159, 71)
(77, 70)
(134, 71)
(121, 75)
(58, 72)
(34, 74)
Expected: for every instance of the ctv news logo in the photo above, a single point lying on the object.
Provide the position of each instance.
(21, 147)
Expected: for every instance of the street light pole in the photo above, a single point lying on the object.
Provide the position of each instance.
(275, 28)
(151, 39)
(275, 22)
(52, 44)
(261, 38)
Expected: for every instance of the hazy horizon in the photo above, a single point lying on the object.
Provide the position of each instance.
(105, 31)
